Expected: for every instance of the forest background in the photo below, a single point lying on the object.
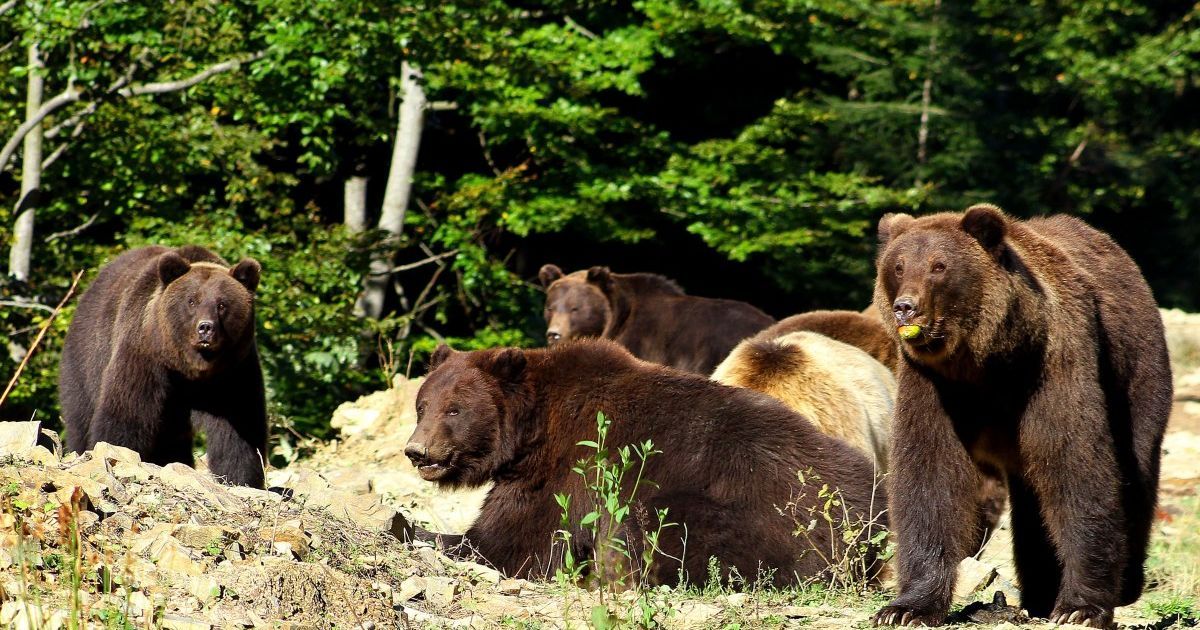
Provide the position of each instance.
(402, 169)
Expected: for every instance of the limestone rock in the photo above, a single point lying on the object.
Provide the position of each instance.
(973, 576)
(18, 438)
(440, 591)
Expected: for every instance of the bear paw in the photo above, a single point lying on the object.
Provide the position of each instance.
(1083, 615)
(900, 615)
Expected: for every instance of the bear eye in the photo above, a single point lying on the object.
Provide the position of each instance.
(452, 412)
(191, 303)
(221, 307)
(420, 410)
(899, 267)
(574, 309)
(938, 267)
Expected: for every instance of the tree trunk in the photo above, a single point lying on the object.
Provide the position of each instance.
(399, 187)
(354, 204)
(927, 95)
(31, 174)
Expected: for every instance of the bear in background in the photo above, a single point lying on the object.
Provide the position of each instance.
(861, 330)
(1039, 352)
(842, 390)
(647, 314)
(731, 459)
(162, 339)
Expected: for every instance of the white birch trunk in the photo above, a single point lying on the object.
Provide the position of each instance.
(354, 203)
(399, 187)
(21, 252)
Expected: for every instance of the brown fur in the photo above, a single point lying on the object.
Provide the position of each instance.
(1043, 356)
(648, 314)
(730, 459)
(842, 390)
(162, 340)
(862, 330)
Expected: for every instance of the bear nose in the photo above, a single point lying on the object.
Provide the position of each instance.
(553, 336)
(904, 308)
(416, 453)
(205, 328)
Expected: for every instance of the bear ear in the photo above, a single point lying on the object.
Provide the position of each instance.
(548, 274)
(439, 356)
(170, 267)
(892, 225)
(247, 272)
(506, 364)
(987, 224)
(601, 277)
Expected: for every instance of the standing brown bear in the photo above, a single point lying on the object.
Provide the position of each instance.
(738, 472)
(1037, 349)
(164, 338)
(648, 314)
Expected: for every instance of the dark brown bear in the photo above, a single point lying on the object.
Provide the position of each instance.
(162, 340)
(1041, 353)
(863, 331)
(648, 314)
(730, 462)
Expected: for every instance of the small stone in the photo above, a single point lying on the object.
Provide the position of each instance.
(202, 537)
(139, 604)
(127, 470)
(409, 588)
(973, 576)
(290, 534)
(478, 572)
(440, 591)
(511, 586)
(736, 600)
(41, 455)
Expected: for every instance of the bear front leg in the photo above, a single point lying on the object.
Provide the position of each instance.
(232, 411)
(1069, 462)
(131, 411)
(932, 494)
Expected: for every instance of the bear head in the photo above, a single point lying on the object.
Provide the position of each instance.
(468, 412)
(205, 313)
(578, 304)
(946, 274)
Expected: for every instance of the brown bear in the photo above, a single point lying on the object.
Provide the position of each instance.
(648, 314)
(861, 330)
(1040, 352)
(738, 472)
(164, 339)
(842, 390)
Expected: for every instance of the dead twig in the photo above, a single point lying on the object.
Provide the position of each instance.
(41, 333)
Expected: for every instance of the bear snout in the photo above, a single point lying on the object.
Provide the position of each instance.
(205, 331)
(553, 336)
(905, 309)
(417, 453)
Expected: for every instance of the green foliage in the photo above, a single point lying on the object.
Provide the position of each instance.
(622, 554)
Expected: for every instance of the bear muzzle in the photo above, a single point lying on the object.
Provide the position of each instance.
(429, 470)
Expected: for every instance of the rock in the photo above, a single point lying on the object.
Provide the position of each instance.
(132, 471)
(112, 454)
(179, 622)
(139, 604)
(478, 572)
(511, 587)
(440, 591)
(187, 479)
(973, 576)
(174, 557)
(40, 455)
(18, 438)
(203, 537)
(205, 589)
(409, 588)
(286, 540)
(695, 614)
(736, 600)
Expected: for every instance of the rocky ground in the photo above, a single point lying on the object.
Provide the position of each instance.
(117, 543)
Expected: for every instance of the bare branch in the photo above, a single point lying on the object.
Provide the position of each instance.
(419, 263)
(73, 231)
(75, 118)
(441, 106)
(578, 28)
(7, 6)
(41, 333)
(183, 84)
(69, 95)
(62, 148)
(33, 306)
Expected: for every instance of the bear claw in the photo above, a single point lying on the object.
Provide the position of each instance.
(901, 616)
(1088, 615)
